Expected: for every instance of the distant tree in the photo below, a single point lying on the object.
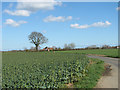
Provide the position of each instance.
(59, 48)
(105, 46)
(69, 46)
(37, 38)
(32, 49)
(92, 47)
(66, 46)
(25, 49)
(54, 47)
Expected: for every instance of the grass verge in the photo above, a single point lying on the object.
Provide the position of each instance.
(96, 68)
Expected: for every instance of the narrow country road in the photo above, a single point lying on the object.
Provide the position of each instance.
(110, 81)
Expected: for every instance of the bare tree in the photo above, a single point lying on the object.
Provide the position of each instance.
(66, 46)
(69, 46)
(92, 47)
(105, 46)
(37, 38)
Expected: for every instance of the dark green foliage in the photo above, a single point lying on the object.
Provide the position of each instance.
(42, 70)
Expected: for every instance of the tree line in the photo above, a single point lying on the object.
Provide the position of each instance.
(38, 39)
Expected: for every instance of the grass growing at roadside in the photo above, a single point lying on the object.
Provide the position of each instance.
(94, 73)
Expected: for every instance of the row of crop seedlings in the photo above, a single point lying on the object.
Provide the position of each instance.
(51, 75)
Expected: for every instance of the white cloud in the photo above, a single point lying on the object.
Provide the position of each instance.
(57, 19)
(101, 24)
(97, 24)
(14, 23)
(77, 26)
(18, 12)
(118, 8)
(26, 7)
(69, 18)
(32, 5)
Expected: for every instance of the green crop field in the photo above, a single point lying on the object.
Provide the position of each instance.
(49, 70)
(106, 52)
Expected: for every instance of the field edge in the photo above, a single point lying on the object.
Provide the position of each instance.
(94, 73)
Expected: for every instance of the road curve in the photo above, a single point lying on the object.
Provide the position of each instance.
(110, 81)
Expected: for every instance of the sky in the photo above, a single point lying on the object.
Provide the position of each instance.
(63, 0)
(82, 23)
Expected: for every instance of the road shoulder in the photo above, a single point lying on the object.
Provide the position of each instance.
(111, 80)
